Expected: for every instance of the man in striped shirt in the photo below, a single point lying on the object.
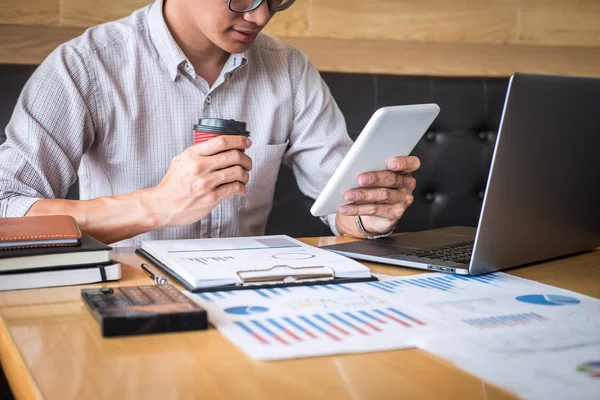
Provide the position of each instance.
(116, 107)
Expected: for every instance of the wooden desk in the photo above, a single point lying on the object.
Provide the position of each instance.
(50, 347)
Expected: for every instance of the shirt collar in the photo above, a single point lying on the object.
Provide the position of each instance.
(234, 62)
(169, 50)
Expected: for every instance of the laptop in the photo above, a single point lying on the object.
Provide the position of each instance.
(542, 199)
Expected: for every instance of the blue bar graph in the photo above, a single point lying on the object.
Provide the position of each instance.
(263, 293)
(299, 327)
(318, 328)
(362, 321)
(373, 317)
(348, 323)
(331, 323)
(205, 297)
(251, 332)
(331, 287)
(384, 288)
(337, 326)
(274, 291)
(446, 283)
(505, 320)
(269, 332)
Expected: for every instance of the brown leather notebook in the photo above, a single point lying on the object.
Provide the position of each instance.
(42, 231)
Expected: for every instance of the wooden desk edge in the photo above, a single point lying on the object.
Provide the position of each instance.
(15, 369)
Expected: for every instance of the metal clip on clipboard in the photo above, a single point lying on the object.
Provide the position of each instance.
(285, 274)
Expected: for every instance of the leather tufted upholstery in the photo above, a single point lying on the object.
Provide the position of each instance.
(455, 153)
(12, 79)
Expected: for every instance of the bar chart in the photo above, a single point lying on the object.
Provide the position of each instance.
(392, 313)
(506, 320)
(210, 260)
(332, 326)
(437, 282)
(274, 293)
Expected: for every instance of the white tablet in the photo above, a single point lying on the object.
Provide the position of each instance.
(391, 132)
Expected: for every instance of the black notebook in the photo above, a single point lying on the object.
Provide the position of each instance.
(90, 251)
(60, 276)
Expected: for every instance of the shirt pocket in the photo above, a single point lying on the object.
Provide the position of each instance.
(266, 161)
(247, 215)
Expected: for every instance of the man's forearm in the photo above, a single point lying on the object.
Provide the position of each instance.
(108, 219)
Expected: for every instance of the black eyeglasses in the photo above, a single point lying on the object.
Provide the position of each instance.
(244, 6)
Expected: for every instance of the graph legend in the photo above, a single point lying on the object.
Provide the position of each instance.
(443, 283)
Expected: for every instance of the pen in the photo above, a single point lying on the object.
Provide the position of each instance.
(159, 280)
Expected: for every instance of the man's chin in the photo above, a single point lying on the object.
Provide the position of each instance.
(235, 47)
(234, 43)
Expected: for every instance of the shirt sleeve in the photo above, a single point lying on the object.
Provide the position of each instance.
(50, 129)
(319, 139)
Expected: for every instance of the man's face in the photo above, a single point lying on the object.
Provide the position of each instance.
(230, 31)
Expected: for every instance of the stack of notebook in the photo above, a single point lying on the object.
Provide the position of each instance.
(51, 251)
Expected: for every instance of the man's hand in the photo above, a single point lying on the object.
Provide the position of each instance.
(199, 179)
(382, 197)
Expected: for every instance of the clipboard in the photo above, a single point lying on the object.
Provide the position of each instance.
(252, 279)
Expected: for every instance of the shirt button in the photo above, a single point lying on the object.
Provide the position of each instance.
(188, 66)
(208, 99)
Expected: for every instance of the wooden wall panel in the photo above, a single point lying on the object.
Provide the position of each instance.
(560, 22)
(446, 59)
(31, 44)
(468, 37)
(464, 21)
(29, 12)
(85, 13)
(291, 22)
(376, 56)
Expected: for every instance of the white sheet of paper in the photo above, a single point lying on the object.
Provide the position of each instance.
(479, 303)
(394, 313)
(537, 363)
(214, 262)
(281, 323)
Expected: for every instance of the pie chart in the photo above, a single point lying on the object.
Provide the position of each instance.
(591, 369)
(246, 310)
(548, 300)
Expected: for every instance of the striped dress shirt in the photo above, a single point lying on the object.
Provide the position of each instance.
(117, 104)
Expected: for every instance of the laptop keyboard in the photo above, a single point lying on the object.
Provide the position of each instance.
(460, 253)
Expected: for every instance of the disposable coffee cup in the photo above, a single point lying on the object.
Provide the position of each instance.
(208, 128)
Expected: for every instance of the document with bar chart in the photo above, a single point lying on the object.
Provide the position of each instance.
(303, 321)
(538, 363)
(290, 322)
(495, 301)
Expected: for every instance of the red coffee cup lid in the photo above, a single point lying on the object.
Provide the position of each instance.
(222, 126)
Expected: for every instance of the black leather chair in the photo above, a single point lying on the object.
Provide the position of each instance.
(455, 153)
(12, 79)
